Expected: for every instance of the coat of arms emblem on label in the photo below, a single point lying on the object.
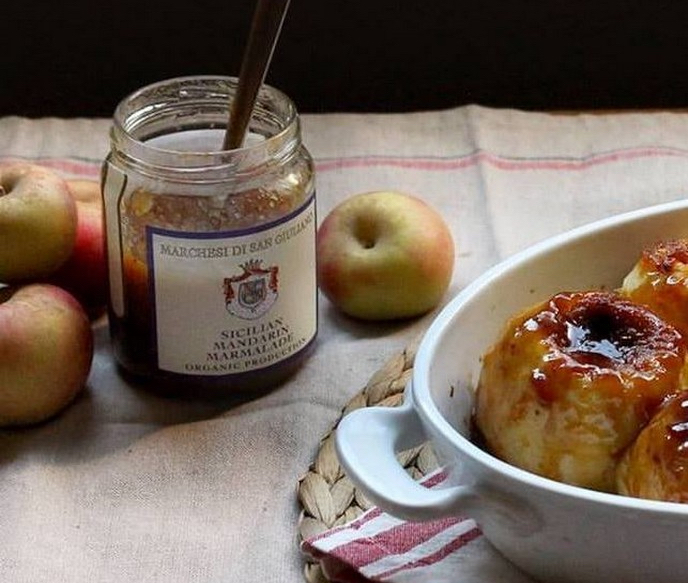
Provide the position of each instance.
(252, 293)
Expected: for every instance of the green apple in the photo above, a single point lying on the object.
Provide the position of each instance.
(46, 351)
(38, 221)
(384, 255)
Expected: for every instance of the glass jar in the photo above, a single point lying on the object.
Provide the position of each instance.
(211, 252)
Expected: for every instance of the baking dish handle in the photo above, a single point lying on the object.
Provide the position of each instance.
(367, 441)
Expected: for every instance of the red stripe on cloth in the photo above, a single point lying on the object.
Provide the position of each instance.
(583, 163)
(454, 545)
(499, 161)
(428, 481)
(435, 478)
(394, 541)
(409, 163)
(355, 524)
(91, 168)
(82, 168)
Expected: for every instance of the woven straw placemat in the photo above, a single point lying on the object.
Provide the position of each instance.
(326, 496)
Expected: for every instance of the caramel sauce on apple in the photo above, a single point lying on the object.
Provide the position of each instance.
(660, 281)
(666, 256)
(656, 465)
(600, 334)
(572, 380)
(672, 450)
(677, 432)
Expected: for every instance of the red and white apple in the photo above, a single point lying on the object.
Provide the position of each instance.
(38, 221)
(84, 274)
(46, 351)
(384, 255)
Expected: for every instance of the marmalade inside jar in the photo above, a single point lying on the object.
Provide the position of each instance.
(134, 331)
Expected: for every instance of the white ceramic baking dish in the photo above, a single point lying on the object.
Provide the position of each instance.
(555, 532)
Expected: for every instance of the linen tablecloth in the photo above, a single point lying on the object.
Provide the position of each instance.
(126, 486)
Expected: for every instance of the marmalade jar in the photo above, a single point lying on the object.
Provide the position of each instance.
(211, 252)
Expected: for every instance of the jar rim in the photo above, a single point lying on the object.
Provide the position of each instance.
(186, 91)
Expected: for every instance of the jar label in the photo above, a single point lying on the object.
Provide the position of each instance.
(228, 303)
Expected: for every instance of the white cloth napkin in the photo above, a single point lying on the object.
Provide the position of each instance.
(126, 486)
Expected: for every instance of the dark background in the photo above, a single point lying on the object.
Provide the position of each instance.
(80, 58)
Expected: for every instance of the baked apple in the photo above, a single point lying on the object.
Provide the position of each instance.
(659, 280)
(655, 466)
(572, 381)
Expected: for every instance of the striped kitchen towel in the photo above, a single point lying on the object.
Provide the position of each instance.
(379, 547)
